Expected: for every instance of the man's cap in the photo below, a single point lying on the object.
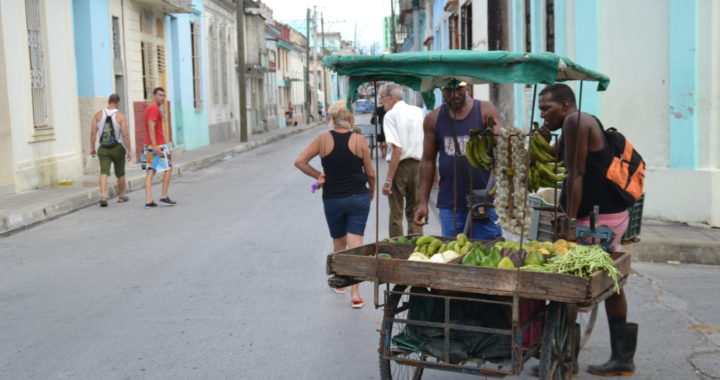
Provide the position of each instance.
(455, 84)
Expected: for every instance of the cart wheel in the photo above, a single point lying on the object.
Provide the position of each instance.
(557, 354)
(390, 369)
(586, 320)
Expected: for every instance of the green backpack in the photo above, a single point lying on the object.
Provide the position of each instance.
(107, 136)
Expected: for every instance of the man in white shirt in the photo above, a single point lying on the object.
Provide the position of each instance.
(403, 127)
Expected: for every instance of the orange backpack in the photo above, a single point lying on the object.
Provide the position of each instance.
(627, 168)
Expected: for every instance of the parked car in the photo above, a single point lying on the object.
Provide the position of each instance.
(364, 106)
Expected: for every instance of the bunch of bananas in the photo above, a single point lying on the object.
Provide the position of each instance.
(544, 171)
(479, 151)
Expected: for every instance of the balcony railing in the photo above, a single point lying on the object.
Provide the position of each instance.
(169, 6)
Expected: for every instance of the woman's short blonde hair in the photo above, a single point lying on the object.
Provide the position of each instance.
(340, 115)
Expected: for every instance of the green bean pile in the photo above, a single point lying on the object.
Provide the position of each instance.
(581, 261)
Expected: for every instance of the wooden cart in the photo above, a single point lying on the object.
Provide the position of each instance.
(560, 297)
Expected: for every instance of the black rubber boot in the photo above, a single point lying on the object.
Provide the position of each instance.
(623, 341)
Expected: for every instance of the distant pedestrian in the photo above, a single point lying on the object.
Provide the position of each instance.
(114, 143)
(403, 127)
(348, 182)
(156, 151)
(378, 117)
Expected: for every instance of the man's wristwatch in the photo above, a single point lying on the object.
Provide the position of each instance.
(388, 183)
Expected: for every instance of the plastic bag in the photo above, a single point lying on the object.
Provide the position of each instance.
(91, 164)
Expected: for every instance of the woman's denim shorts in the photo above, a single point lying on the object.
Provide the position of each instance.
(347, 214)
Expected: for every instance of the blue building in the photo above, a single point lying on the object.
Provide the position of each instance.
(131, 47)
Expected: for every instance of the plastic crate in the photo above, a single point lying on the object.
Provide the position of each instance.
(541, 227)
(634, 225)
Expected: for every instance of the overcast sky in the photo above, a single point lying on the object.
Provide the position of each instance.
(340, 16)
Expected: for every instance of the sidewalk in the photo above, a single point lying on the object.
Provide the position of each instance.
(662, 241)
(23, 210)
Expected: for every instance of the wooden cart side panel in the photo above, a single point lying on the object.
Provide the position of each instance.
(360, 267)
(599, 281)
(541, 285)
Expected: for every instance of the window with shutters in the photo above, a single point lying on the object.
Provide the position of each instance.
(148, 68)
(196, 64)
(549, 25)
(224, 65)
(117, 50)
(33, 14)
(466, 39)
(214, 71)
(161, 65)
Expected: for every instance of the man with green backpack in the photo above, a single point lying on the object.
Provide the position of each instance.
(114, 146)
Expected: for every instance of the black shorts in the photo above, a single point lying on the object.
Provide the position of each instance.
(381, 137)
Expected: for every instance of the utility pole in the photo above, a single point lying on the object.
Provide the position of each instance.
(240, 26)
(316, 80)
(322, 70)
(307, 68)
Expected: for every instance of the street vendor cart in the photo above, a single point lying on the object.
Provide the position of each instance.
(430, 307)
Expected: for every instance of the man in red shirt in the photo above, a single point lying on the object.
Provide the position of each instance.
(156, 153)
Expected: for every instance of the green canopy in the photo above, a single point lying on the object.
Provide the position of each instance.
(425, 71)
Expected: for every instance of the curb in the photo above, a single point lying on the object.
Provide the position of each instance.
(685, 252)
(31, 215)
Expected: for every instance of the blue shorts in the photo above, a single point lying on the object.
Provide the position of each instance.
(347, 214)
(486, 230)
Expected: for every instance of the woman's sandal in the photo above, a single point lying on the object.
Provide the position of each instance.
(122, 199)
(358, 304)
(103, 203)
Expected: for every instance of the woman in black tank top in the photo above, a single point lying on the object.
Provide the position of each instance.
(348, 182)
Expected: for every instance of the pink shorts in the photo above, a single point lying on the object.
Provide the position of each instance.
(617, 222)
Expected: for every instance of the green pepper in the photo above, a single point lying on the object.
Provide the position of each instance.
(414, 239)
(488, 262)
(495, 255)
(471, 258)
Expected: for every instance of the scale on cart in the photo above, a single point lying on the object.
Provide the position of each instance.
(594, 234)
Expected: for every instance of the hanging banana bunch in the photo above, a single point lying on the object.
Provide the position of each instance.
(479, 151)
(544, 170)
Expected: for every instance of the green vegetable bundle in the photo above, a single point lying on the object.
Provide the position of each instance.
(581, 261)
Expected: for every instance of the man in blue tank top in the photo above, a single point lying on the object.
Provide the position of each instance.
(445, 128)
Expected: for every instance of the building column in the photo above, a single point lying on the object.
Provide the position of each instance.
(682, 85)
(94, 64)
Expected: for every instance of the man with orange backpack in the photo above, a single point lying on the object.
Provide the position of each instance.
(596, 176)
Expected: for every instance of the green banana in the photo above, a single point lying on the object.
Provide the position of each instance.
(546, 172)
(469, 153)
(542, 142)
(484, 156)
(538, 153)
(424, 240)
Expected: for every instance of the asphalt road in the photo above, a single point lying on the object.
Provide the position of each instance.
(231, 284)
